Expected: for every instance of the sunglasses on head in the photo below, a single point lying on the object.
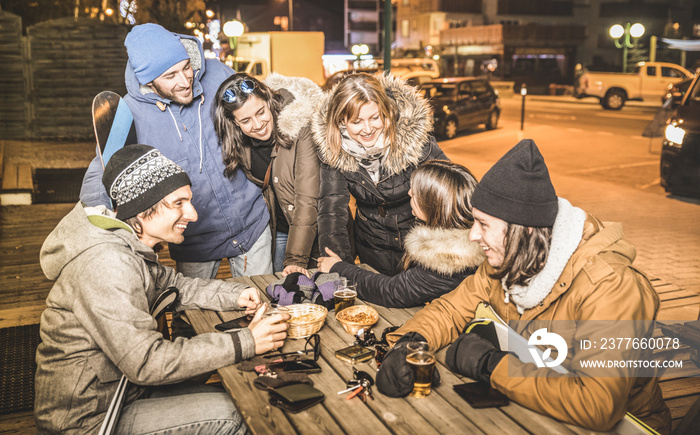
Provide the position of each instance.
(230, 95)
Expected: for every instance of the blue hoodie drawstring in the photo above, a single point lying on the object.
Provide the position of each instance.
(175, 122)
(201, 153)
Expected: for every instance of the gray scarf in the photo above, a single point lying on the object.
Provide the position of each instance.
(369, 158)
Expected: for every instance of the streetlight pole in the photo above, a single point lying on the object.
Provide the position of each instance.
(523, 92)
(358, 50)
(387, 35)
(617, 32)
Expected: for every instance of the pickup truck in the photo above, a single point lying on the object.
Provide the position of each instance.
(649, 81)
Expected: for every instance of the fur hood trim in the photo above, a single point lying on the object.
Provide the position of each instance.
(445, 251)
(413, 128)
(299, 110)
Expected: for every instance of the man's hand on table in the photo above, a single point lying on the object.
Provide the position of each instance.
(269, 332)
(249, 299)
(295, 269)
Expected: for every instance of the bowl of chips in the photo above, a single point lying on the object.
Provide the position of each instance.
(356, 317)
(306, 319)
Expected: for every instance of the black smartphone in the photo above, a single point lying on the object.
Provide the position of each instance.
(238, 323)
(481, 395)
(299, 366)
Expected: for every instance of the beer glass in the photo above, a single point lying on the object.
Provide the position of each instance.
(273, 309)
(344, 296)
(422, 362)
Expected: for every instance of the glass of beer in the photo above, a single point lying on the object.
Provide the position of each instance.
(344, 296)
(273, 309)
(422, 362)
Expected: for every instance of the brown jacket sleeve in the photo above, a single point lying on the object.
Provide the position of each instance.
(303, 225)
(441, 321)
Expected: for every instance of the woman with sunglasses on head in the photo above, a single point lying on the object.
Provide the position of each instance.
(372, 132)
(438, 253)
(264, 130)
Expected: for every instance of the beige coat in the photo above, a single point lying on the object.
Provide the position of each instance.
(598, 283)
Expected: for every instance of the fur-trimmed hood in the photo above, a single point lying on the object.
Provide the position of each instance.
(413, 128)
(445, 251)
(300, 102)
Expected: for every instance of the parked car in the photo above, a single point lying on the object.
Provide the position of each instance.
(461, 103)
(680, 154)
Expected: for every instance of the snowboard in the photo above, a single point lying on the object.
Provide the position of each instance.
(113, 124)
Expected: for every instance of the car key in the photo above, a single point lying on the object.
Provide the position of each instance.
(368, 389)
(354, 393)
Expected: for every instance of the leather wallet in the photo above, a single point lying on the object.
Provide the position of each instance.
(295, 397)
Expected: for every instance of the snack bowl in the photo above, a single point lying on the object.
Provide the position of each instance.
(307, 319)
(356, 317)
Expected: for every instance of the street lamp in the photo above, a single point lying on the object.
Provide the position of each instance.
(618, 32)
(358, 50)
(234, 29)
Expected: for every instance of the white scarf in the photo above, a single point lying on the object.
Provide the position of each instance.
(566, 236)
(369, 158)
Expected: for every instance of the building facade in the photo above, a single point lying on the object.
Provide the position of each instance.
(536, 42)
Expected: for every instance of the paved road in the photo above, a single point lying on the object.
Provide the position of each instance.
(609, 173)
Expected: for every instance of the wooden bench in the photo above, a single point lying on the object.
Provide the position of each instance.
(17, 184)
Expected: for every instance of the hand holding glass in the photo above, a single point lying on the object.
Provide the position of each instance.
(422, 362)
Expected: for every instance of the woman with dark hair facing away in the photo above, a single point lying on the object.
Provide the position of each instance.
(438, 253)
(372, 132)
(264, 130)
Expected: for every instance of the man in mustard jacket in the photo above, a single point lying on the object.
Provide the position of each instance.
(545, 261)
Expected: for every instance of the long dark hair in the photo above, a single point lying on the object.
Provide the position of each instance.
(232, 138)
(443, 191)
(525, 255)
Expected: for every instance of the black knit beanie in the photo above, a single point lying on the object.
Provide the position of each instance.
(138, 176)
(517, 188)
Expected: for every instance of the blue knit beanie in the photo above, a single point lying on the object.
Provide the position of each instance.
(152, 51)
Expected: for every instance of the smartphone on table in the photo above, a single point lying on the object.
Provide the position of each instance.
(481, 395)
(237, 323)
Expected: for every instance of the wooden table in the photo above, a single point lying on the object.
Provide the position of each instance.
(443, 412)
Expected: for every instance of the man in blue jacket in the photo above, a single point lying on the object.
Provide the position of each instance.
(170, 89)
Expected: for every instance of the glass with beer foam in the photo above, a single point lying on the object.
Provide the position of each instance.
(422, 362)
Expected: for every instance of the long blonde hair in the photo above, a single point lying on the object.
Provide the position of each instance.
(348, 97)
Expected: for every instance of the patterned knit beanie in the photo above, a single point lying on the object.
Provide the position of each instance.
(152, 51)
(517, 189)
(138, 176)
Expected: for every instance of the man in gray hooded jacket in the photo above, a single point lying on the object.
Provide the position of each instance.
(171, 89)
(97, 324)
